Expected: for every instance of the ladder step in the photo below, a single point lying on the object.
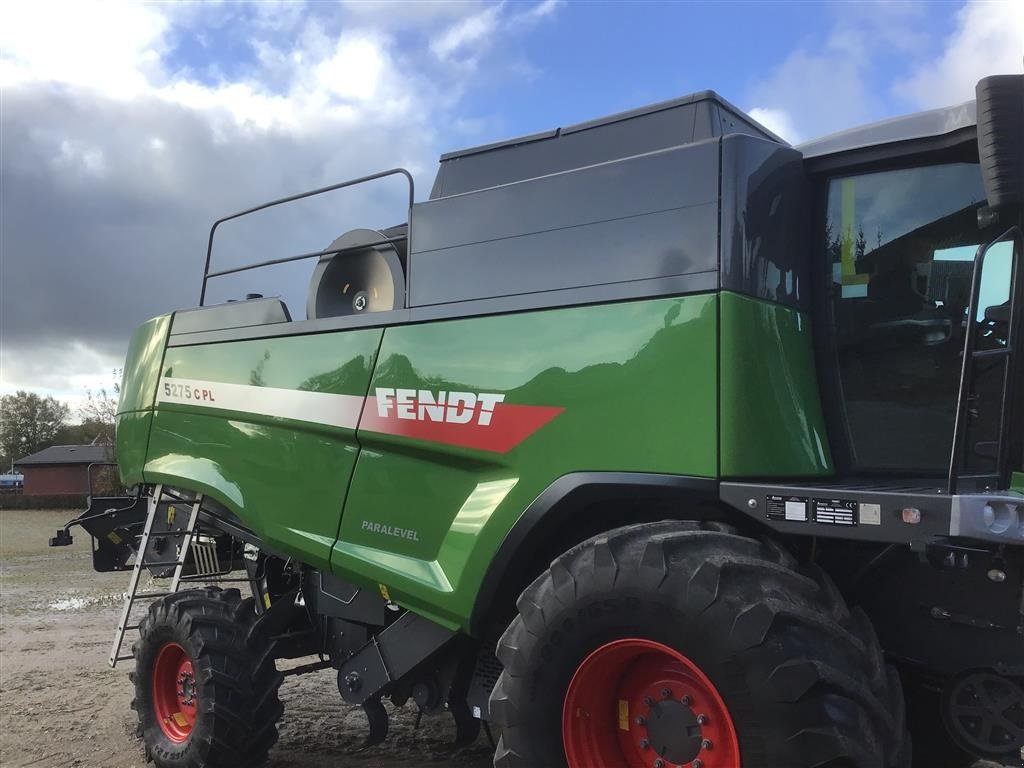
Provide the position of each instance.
(150, 595)
(124, 658)
(990, 353)
(161, 564)
(162, 534)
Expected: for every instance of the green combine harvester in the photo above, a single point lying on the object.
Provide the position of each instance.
(650, 442)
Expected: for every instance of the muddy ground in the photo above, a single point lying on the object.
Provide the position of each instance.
(61, 705)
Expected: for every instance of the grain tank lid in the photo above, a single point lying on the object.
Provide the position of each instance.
(922, 125)
(685, 120)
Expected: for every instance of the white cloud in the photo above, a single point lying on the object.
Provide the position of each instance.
(113, 47)
(779, 122)
(988, 40)
(846, 80)
(467, 34)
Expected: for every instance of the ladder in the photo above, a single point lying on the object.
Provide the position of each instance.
(1013, 369)
(133, 595)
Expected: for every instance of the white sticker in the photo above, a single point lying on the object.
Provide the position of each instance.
(797, 511)
(870, 514)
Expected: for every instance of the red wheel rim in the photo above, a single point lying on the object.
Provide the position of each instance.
(640, 704)
(175, 696)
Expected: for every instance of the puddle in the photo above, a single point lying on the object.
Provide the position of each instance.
(80, 603)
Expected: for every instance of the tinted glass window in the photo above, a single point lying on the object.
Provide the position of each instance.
(901, 245)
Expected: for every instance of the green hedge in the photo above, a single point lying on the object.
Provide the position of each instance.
(58, 501)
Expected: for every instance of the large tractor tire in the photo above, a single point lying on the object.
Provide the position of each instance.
(684, 644)
(205, 686)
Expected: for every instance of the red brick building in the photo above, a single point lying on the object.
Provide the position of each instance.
(61, 469)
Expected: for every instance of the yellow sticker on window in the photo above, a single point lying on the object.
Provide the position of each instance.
(114, 537)
(623, 715)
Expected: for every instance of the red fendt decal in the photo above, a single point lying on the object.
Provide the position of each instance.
(469, 419)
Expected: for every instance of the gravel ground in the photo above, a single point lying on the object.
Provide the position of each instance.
(62, 706)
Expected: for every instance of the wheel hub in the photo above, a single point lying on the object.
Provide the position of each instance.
(674, 733)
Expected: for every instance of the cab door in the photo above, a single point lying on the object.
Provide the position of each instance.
(899, 247)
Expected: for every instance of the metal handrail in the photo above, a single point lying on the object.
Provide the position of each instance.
(1014, 369)
(290, 199)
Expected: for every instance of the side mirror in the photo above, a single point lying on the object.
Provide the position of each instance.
(1001, 138)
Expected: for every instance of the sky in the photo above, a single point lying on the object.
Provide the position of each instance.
(126, 129)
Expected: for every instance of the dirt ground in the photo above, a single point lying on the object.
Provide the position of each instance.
(62, 706)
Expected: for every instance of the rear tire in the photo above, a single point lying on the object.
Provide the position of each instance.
(801, 676)
(205, 686)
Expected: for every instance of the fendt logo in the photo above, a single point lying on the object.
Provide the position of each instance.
(479, 420)
(447, 407)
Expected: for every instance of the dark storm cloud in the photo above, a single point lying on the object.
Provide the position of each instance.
(106, 206)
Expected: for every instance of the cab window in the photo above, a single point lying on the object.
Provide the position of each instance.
(900, 245)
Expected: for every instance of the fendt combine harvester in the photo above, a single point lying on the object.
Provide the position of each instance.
(649, 442)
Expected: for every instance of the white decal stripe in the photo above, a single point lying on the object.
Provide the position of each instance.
(314, 407)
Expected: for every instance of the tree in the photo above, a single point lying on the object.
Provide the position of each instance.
(98, 411)
(28, 423)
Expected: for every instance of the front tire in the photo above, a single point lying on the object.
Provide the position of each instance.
(205, 686)
(679, 615)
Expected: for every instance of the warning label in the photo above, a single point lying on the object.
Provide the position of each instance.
(791, 508)
(835, 511)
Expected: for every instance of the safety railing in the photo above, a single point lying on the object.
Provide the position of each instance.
(207, 274)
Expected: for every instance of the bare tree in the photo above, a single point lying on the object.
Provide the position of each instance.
(99, 409)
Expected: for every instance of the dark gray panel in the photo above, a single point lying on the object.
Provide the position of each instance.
(234, 314)
(673, 178)
(699, 116)
(766, 229)
(677, 285)
(673, 242)
(646, 133)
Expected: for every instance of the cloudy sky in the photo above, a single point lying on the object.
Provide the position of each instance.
(125, 129)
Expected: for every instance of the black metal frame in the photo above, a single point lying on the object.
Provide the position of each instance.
(1011, 375)
(207, 274)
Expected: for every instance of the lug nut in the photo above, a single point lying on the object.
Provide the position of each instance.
(644, 743)
(648, 701)
(705, 744)
(640, 720)
(659, 763)
(666, 693)
(702, 719)
(697, 763)
(686, 700)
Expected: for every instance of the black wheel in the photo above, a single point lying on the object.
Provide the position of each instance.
(670, 643)
(205, 686)
(933, 745)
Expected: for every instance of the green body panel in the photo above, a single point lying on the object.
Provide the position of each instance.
(284, 478)
(771, 418)
(1017, 482)
(142, 366)
(132, 442)
(138, 390)
(637, 382)
(624, 387)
